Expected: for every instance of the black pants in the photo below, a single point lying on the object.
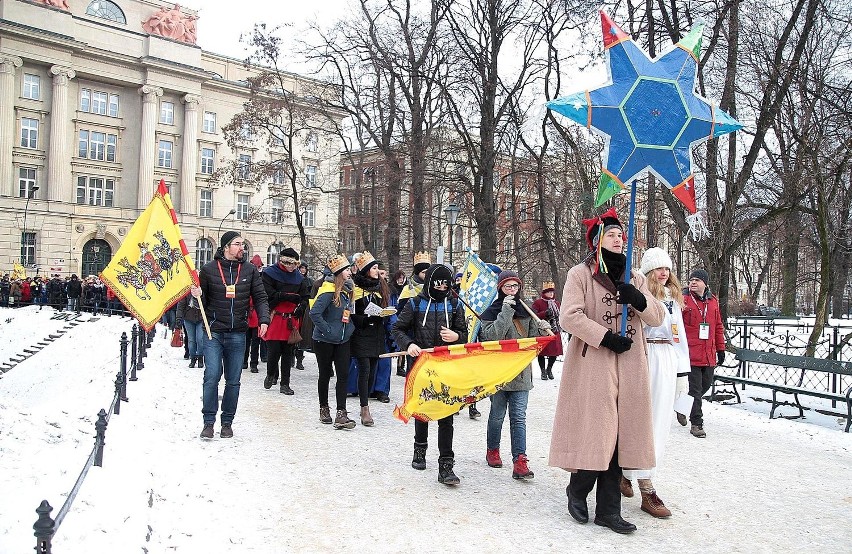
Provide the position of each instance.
(328, 354)
(608, 494)
(445, 435)
(366, 377)
(550, 361)
(252, 346)
(700, 380)
(279, 350)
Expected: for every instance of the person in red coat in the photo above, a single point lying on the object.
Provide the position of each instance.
(26, 292)
(705, 335)
(546, 307)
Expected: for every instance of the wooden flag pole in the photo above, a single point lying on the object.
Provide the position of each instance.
(532, 315)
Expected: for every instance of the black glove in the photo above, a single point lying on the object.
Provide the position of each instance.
(616, 343)
(299, 311)
(628, 294)
(291, 297)
(720, 357)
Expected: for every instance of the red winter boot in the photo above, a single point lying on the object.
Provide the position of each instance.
(492, 456)
(521, 470)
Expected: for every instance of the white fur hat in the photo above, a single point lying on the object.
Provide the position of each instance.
(654, 258)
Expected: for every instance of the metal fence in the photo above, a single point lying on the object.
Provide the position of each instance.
(46, 527)
(788, 336)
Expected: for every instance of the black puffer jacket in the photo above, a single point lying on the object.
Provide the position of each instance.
(421, 319)
(368, 340)
(227, 315)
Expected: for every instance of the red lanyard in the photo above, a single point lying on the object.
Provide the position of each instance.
(239, 267)
(694, 301)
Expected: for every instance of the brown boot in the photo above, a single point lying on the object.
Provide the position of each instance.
(626, 487)
(366, 418)
(652, 504)
(342, 421)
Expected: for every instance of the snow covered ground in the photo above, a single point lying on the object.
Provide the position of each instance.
(287, 483)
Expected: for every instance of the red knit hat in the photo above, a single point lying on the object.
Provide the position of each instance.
(597, 226)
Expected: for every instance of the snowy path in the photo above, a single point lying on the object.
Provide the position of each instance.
(287, 483)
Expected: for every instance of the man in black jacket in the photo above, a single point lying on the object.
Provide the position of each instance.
(226, 284)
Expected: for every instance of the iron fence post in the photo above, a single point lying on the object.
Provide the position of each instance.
(134, 358)
(100, 437)
(140, 365)
(44, 528)
(834, 342)
(117, 409)
(123, 370)
(744, 365)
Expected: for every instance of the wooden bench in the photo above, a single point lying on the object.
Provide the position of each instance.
(830, 367)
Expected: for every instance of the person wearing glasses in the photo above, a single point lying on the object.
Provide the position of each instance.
(225, 286)
(507, 319)
(288, 294)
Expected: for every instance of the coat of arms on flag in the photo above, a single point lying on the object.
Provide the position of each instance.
(478, 290)
(152, 269)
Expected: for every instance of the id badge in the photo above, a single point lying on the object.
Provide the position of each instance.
(704, 331)
(230, 291)
(675, 336)
(345, 318)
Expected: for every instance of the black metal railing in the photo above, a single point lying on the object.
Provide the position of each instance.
(46, 527)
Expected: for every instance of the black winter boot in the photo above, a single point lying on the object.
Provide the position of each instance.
(419, 460)
(445, 471)
(193, 361)
(544, 374)
(201, 361)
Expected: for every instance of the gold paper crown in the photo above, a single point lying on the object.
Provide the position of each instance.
(548, 285)
(338, 263)
(422, 258)
(364, 259)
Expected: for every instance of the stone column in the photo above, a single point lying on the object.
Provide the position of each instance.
(8, 134)
(189, 158)
(148, 145)
(58, 157)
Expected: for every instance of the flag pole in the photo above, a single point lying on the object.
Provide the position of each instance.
(197, 283)
(629, 253)
(533, 315)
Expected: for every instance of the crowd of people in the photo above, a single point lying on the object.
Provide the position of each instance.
(70, 293)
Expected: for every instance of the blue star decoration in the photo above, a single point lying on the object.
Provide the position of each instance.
(649, 113)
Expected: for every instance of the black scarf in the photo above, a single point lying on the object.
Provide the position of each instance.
(492, 311)
(367, 283)
(615, 264)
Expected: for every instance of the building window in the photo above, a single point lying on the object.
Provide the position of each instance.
(246, 132)
(272, 254)
(95, 191)
(242, 207)
(203, 252)
(105, 9)
(310, 176)
(244, 167)
(98, 102)
(522, 211)
(164, 154)
(205, 206)
(276, 137)
(312, 142)
(96, 146)
(209, 125)
(32, 86)
(352, 206)
(278, 175)
(351, 242)
(309, 220)
(28, 244)
(29, 132)
(380, 204)
(509, 208)
(167, 113)
(26, 181)
(277, 210)
(207, 156)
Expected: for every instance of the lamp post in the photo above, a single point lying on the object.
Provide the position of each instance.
(452, 213)
(30, 194)
(219, 231)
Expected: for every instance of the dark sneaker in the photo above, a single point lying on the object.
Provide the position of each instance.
(253, 368)
(473, 412)
(285, 389)
(207, 432)
(325, 415)
(226, 432)
(268, 382)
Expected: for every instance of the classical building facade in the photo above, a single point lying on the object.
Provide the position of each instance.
(101, 99)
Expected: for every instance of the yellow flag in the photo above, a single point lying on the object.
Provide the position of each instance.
(152, 269)
(450, 377)
(18, 271)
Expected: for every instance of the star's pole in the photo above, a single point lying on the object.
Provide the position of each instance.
(629, 251)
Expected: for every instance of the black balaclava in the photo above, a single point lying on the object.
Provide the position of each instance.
(438, 272)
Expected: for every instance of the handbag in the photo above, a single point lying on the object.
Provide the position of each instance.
(295, 337)
(177, 338)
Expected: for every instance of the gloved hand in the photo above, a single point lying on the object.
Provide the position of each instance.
(720, 357)
(299, 311)
(291, 297)
(544, 326)
(509, 301)
(628, 294)
(616, 343)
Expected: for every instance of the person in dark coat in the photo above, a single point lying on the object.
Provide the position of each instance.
(188, 317)
(307, 325)
(546, 307)
(225, 286)
(432, 319)
(74, 289)
(288, 295)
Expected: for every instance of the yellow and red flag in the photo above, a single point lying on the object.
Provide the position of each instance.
(152, 269)
(446, 378)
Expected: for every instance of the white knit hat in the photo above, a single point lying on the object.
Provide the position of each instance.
(654, 258)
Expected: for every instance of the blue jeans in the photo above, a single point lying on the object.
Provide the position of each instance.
(195, 336)
(227, 347)
(516, 402)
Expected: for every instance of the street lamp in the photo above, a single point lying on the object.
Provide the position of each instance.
(30, 194)
(219, 231)
(452, 213)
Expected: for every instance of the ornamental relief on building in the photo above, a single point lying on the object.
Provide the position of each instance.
(61, 4)
(172, 24)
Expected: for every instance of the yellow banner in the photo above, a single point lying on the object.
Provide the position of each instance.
(18, 271)
(152, 269)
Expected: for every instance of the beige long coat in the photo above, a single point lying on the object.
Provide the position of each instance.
(604, 398)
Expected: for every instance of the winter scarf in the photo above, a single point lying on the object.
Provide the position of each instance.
(492, 311)
(615, 264)
(287, 277)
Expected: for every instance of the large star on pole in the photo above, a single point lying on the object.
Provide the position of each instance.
(649, 113)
